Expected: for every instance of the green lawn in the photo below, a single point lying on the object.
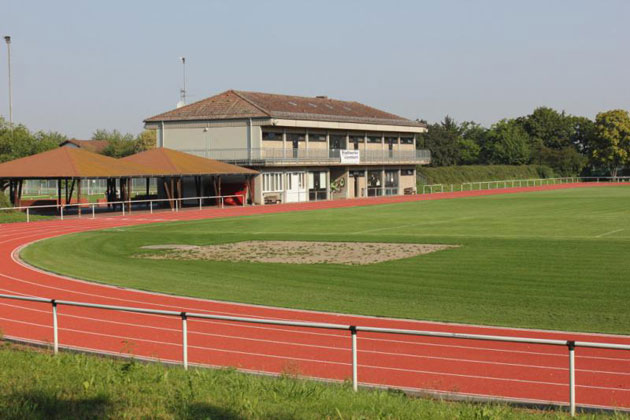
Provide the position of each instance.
(550, 259)
(18, 216)
(36, 385)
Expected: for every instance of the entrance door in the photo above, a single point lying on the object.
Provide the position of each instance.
(296, 187)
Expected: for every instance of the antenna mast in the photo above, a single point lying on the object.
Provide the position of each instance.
(182, 92)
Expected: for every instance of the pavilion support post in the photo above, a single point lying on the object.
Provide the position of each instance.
(179, 191)
(79, 197)
(19, 194)
(72, 186)
(168, 193)
(59, 194)
(216, 190)
(65, 184)
(220, 198)
(148, 186)
(123, 193)
(129, 188)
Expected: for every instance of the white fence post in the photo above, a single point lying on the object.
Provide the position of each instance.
(184, 340)
(55, 329)
(200, 204)
(93, 211)
(61, 207)
(151, 206)
(28, 216)
(571, 345)
(355, 383)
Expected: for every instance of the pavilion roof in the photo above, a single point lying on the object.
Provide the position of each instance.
(70, 162)
(180, 163)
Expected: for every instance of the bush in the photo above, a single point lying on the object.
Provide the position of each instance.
(4, 200)
(474, 173)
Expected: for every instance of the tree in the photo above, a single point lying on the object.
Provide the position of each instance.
(508, 143)
(611, 143)
(120, 145)
(473, 136)
(443, 141)
(146, 140)
(552, 128)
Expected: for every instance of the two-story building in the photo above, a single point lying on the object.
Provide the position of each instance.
(306, 148)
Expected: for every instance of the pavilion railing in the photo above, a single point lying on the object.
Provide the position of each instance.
(126, 206)
(571, 345)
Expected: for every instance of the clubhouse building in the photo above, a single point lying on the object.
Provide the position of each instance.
(305, 148)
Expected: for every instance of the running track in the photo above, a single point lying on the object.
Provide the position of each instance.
(533, 373)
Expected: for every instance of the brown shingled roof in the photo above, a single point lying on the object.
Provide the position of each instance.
(69, 162)
(96, 146)
(240, 104)
(181, 163)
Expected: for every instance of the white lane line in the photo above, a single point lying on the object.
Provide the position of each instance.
(609, 233)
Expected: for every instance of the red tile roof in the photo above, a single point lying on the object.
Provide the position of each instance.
(70, 162)
(96, 146)
(239, 104)
(175, 162)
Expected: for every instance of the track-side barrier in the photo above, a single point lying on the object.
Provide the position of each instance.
(514, 183)
(571, 345)
(126, 206)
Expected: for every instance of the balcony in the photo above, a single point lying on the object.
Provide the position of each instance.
(280, 156)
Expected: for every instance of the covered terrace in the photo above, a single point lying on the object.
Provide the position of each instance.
(69, 166)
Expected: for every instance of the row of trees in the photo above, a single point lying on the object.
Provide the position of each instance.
(566, 143)
(19, 141)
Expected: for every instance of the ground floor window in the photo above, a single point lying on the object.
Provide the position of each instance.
(375, 184)
(272, 182)
(391, 182)
(406, 172)
(317, 185)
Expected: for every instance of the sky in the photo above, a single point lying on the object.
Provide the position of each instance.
(79, 66)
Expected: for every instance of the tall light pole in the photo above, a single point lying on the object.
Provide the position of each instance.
(7, 39)
(183, 91)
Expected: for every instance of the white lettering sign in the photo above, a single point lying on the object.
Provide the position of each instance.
(350, 156)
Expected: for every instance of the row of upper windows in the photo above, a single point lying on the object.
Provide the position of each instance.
(277, 135)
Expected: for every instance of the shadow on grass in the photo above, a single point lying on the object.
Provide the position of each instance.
(198, 410)
(46, 405)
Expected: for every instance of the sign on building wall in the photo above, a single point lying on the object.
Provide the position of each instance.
(350, 156)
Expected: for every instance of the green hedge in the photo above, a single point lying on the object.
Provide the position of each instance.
(472, 173)
(4, 200)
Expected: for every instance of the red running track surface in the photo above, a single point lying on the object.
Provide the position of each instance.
(535, 373)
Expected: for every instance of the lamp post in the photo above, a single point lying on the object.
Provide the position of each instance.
(7, 39)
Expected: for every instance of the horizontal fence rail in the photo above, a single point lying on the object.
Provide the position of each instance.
(514, 183)
(276, 155)
(571, 345)
(126, 206)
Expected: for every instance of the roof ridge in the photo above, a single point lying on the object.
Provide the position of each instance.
(240, 95)
(68, 152)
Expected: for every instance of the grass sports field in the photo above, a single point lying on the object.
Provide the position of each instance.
(549, 259)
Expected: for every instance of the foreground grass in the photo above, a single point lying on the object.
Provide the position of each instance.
(552, 259)
(37, 385)
(17, 216)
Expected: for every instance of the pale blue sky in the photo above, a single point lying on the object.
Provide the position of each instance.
(83, 65)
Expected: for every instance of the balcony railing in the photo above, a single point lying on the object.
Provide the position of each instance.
(275, 156)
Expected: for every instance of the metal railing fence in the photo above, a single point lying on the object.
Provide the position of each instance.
(514, 183)
(126, 206)
(273, 155)
(571, 345)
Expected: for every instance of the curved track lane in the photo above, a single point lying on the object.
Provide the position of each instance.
(533, 373)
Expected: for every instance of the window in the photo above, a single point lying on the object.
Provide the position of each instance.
(272, 135)
(374, 139)
(357, 139)
(391, 140)
(391, 179)
(406, 172)
(317, 137)
(406, 140)
(272, 182)
(296, 137)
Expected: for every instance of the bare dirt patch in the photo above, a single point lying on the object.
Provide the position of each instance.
(296, 252)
